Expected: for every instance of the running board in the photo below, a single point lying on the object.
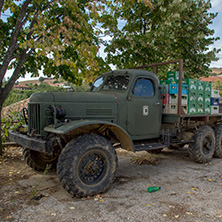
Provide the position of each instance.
(149, 146)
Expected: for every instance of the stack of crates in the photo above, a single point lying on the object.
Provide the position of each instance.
(215, 99)
(197, 96)
(207, 97)
(169, 93)
(192, 94)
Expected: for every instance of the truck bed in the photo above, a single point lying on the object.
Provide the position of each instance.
(175, 118)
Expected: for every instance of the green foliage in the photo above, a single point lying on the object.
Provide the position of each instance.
(12, 121)
(41, 79)
(218, 86)
(17, 95)
(169, 31)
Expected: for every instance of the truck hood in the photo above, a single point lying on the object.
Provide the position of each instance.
(66, 97)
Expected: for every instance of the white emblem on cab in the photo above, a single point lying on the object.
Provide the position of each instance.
(145, 110)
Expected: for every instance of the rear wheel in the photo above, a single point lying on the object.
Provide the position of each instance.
(38, 161)
(202, 149)
(218, 140)
(87, 166)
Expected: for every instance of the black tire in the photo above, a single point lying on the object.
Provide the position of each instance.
(87, 165)
(218, 141)
(38, 161)
(202, 149)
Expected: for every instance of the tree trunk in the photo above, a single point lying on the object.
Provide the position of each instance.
(1, 148)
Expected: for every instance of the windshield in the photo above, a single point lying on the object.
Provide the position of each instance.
(112, 82)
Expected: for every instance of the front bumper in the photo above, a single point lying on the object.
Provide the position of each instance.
(32, 143)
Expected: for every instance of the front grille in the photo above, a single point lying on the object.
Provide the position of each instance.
(34, 118)
(97, 112)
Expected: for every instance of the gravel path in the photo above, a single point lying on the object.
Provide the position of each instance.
(190, 192)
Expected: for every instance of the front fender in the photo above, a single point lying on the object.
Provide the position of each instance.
(91, 125)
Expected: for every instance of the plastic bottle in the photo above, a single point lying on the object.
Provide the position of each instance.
(153, 189)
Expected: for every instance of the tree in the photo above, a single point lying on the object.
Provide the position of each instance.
(41, 79)
(55, 35)
(170, 30)
(58, 36)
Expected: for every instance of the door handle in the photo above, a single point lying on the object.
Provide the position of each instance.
(157, 103)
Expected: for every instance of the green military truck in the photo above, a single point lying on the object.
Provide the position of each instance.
(77, 132)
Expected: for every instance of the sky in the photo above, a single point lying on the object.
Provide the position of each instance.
(217, 26)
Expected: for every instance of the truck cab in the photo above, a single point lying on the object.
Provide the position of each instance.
(139, 103)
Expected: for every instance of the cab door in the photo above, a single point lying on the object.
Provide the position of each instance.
(144, 114)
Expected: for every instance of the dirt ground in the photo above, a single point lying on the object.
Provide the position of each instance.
(190, 191)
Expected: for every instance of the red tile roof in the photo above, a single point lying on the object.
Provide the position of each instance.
(211, 79)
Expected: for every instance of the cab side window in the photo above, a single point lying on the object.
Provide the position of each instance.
(143, 87)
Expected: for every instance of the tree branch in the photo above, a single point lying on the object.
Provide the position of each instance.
(1, 6)
(13, 40)
(23, 57)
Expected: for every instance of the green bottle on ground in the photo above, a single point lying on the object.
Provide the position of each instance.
(153, 189)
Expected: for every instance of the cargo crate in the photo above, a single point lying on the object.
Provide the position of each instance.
(200, 96)
(173, 75)
(164, 89)
(214, 109)
(165, 108)
(207, 99)
(192, 97)
(200, 86)
(200, 108)
(215, 102)
(166, 82)
(192, 84)
(192, 108)
(173, 89)
(174, 107)
(215, 93)
(207, 87)
(207, 108)
(173, 99)
(165, 98)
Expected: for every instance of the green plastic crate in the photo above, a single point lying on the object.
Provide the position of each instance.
(192, 108)
(207, 89)
(200, 97)
(200, 86)
(192, 85)
(173, 75)
(207, 108)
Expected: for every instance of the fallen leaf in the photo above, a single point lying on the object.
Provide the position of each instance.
(176, 216)
(101, 200)
(188, 192)
(210, 180)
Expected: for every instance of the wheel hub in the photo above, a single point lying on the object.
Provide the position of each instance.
(91, 168)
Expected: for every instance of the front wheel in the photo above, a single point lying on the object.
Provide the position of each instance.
(202, 149)
(38, 161)
(87, 165)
